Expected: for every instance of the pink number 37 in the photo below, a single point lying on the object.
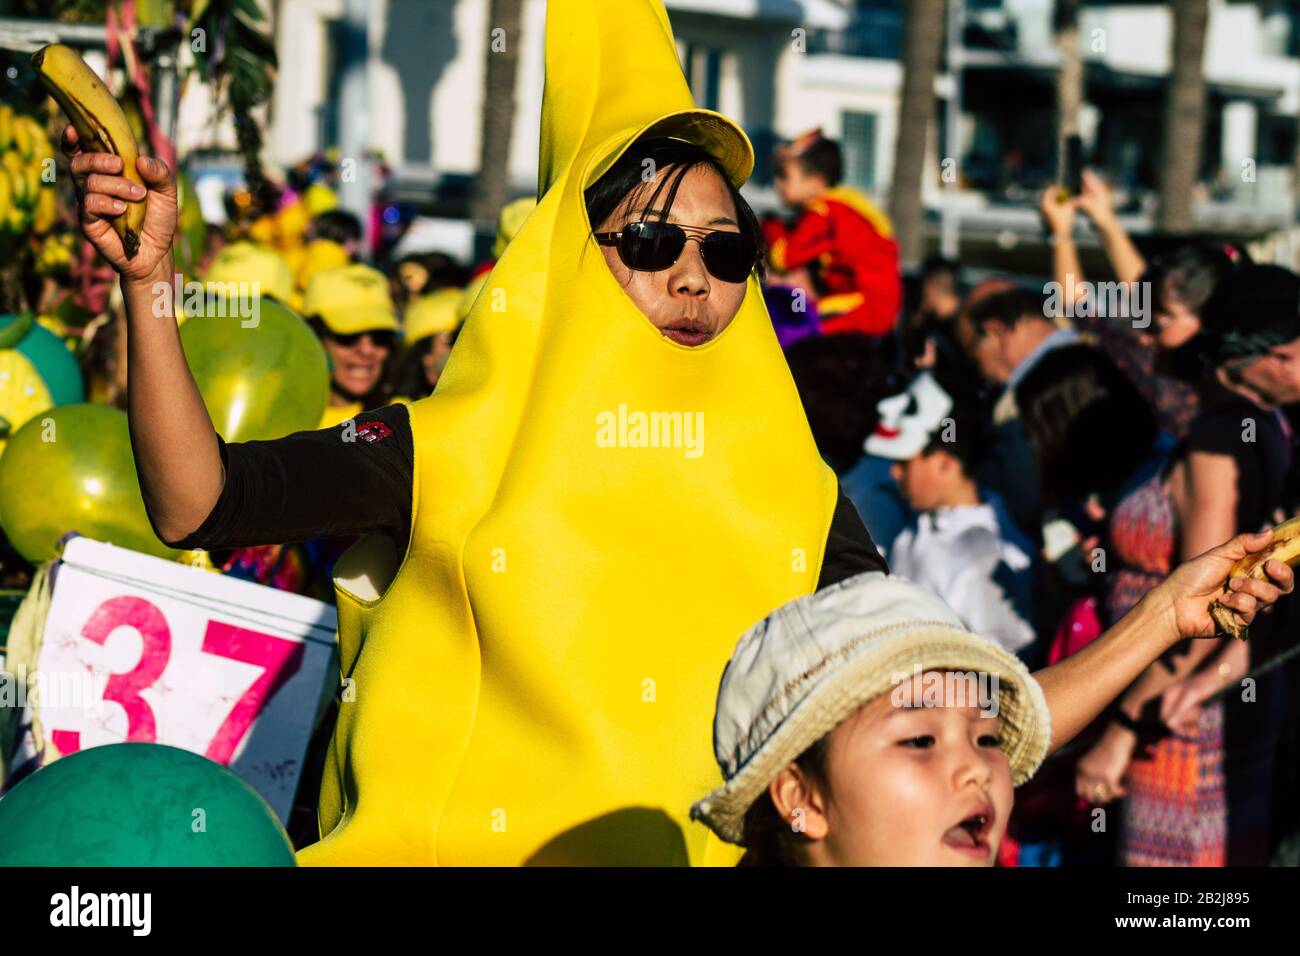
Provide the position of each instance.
(278, 657)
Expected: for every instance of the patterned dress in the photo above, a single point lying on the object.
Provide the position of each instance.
(1175, 813)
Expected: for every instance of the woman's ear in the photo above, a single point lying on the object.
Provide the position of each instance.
(800, 802)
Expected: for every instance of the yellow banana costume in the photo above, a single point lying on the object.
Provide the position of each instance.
(536, 682)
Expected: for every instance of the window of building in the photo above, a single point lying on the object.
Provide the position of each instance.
(859, 149)
(703, 68)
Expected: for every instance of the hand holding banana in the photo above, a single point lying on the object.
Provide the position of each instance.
(1283, 547)
(1223, 589)
(127, 202)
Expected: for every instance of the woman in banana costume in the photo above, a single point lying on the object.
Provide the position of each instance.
(613, 479)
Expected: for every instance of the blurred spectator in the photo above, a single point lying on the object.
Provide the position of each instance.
(319, 255)
(421, 273)
(929, 328)
(1182, 282)
(958, 545)
(1164, 298)
(1088, 424)
(429, 330)
(1005, 331)
(244, 264)
(352, 312)
(341, 226)
(840, 235)
(1203, 796)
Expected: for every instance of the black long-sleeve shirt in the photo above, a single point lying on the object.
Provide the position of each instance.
(356, 478)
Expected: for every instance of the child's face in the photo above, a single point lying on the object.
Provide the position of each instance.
(795, 185)
(912, 786)
(924, 479)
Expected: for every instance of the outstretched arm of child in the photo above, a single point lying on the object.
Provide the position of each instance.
(1081, 686)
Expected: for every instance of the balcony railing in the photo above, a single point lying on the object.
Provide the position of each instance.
(877, 34)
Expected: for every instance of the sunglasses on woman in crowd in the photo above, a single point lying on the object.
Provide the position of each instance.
(653, 246)
(380, 338)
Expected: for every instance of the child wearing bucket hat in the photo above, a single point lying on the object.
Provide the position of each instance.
(864, 725)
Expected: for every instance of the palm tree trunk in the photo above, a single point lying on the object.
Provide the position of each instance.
(1184, 116)
(922, 41)
(492, 187)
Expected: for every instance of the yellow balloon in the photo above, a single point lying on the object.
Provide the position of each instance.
(71, 469)
(23, 393)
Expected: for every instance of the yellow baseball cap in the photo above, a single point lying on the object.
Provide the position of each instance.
(350, 299)
(248, 262)
(511, 220)
(430, 314)
(319, 198)
(321, 254)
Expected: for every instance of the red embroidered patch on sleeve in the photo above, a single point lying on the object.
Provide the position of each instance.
(373, 431)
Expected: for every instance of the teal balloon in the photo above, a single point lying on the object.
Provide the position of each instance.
(47, 354)
(55, 363)
(261, 377)
(71, 469)
(138, 805)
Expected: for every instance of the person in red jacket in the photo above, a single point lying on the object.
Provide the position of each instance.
(844, 242)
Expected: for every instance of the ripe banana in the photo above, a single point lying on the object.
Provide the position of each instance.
(45, 214)
(22, 135)
(6, 125)
(1285, 548)
(101, 124)
(13, 165)
(6, 196)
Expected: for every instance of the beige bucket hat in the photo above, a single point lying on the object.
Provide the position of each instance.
(812, 662)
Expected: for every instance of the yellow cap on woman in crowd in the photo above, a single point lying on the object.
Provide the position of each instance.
(351, 299)
(248, 262)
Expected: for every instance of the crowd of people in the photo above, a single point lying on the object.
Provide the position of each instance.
(1040, 458)
(966, 472)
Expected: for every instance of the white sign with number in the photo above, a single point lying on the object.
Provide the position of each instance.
(141, 649)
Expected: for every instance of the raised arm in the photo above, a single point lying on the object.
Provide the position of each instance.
(1080, 687)
(172, 438)
(1098, 204)
(1058, 218)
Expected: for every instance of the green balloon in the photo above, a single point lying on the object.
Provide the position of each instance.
(70, 469)
(192, 231)
(56, 365)
(261, 377)
(138, 805)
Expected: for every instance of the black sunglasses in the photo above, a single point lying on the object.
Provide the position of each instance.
(380, 338)
(649, 246)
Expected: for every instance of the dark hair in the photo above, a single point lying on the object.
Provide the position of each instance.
(627, 178)
(1009, 307)
(823, 159)
(409, 378)
(968, 439)
(1089, 425)
(1251, 310)
(337, 225)
(443, 271)
(935, 265)
(840, 379)
(769, 840)
(1190, 272)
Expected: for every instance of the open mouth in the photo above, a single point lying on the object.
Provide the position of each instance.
(687, 333)
(971, 834)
